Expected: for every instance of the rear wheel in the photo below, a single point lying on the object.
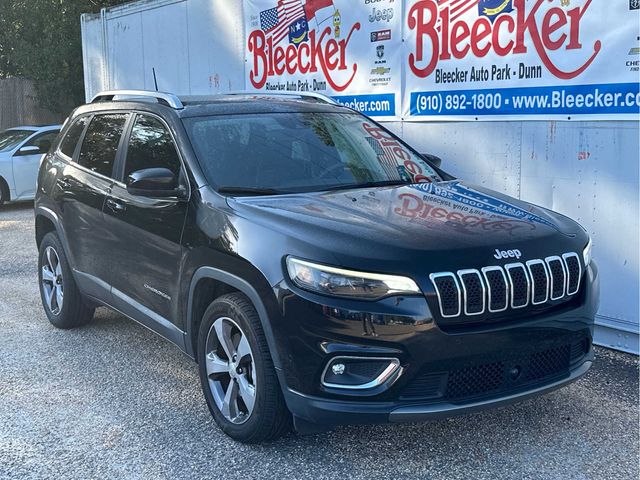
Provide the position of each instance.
(237, 374)
(61, 298)
(4, 191)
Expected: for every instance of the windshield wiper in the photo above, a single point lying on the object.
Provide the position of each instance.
(383, 183)
(250, 191)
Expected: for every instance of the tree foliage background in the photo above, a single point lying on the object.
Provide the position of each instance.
(40, 40)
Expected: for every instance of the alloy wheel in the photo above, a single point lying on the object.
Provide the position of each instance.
(231, 370)
(52, 282)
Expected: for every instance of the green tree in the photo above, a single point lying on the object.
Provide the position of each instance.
(40, 40)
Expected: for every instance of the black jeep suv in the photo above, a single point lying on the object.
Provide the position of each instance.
(318, 269)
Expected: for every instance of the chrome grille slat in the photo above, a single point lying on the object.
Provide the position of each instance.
(503, 292)
(515, 287)
(494, 289)
(536, 286)
(571, 261)
(558, 278)
(470, 296)
(435, 277)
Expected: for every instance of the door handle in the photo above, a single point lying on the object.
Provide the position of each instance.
(63, 184)
(115, 206)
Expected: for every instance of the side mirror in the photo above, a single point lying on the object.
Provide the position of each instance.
(28, 150)
(153, 182)
(437, 161)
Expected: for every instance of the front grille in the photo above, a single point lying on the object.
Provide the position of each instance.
(515, 285)
(500, 375)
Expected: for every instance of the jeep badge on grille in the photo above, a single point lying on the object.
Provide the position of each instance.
(500, 254)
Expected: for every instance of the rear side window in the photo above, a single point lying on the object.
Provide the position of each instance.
(100, 144)
(70, 140)
(151, 146)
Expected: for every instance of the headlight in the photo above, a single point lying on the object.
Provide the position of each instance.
(586, 253)
(338, 282)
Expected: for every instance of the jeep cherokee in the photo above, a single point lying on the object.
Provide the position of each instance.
(318, 269)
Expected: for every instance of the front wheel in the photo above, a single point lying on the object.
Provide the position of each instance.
(237, 374)
(61, 299)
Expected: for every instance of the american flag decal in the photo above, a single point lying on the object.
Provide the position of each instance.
(275, 22)
(386, 158)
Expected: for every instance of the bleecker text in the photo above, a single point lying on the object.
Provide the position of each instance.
(438, 38)
(274, 60)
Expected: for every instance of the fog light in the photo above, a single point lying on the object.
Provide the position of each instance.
(338, 368)
(360, 373)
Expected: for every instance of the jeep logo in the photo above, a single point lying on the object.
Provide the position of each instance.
(500, 254)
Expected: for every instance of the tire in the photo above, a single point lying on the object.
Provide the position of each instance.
(58, 286)
(264, 416)
(4, 191)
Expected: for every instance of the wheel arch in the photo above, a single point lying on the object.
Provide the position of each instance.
(48, 221)
(209, 283)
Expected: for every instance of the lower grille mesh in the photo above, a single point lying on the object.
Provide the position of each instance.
(500, 375)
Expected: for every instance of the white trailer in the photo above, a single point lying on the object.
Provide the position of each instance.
(588, 170)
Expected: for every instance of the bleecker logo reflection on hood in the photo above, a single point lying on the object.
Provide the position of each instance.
(463, 195)
(455, 215)
(296, 38)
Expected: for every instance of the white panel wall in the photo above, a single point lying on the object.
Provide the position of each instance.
(195, 46)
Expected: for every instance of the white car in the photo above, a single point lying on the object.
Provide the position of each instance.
(21, 149)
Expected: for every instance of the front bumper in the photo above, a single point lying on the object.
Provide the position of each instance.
(322, 411)
(548, 350)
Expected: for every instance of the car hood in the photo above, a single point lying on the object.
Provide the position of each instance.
(405, 222)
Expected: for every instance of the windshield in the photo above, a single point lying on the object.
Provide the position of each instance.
(296, 152)
(9, 139)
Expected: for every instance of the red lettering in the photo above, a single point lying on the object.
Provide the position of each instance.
(256, 46)
(549, 26)
(424, 29)
(330, 52)
(411, 205)
(501, 50)
(459, 33)
(325, 53)
(437, 37)
(480, 30)
(292, 58)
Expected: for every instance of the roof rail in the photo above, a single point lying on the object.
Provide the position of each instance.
(302, 95)
(168, 99)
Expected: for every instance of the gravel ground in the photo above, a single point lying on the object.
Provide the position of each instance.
(113, 400)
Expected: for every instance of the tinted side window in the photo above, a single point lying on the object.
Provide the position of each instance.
(100, 144)
(44, 141)
(70, 140)
(151, 146)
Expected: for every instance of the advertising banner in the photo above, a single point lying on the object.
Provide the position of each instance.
(521, 59)
(350, 50)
